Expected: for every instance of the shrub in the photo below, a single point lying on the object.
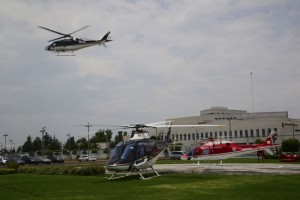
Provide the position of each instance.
(7, 171)
(12, 165)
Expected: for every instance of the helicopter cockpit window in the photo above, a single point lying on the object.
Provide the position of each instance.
(117, 151)
(128, 153)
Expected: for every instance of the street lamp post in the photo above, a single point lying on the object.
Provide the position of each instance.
(11, 142)
(43, 131)
(174, 143)
(5, 135)
(69, 144)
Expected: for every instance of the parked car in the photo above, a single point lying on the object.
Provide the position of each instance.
(176, 155)
(44, 160)
(92, 158)
(17, 160)
(56, 159)
(30, 160)
(3, 160)
(87, 158)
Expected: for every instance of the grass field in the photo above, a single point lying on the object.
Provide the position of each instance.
(168, 186)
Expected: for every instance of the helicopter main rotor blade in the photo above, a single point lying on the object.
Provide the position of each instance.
(65, 36)
(79, 30)
(52, 30)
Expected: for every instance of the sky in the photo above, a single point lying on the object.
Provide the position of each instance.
(168, 59)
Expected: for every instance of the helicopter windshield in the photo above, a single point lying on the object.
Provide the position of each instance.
(128, 153)
(117, 151)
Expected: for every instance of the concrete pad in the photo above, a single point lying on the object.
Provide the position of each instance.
(261, 168)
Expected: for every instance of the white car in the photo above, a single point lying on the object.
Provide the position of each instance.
(3, 160)
(87, 158)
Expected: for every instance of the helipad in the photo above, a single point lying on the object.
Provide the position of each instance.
(280, 168)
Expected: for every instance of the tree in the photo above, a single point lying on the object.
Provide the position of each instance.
(54, 144)
(290, 145)
(102, 136)
(82, 143)
(37, 144)
(119, 137)
(70, 144)
(27, 146)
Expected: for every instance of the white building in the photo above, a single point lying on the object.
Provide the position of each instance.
(238, 126)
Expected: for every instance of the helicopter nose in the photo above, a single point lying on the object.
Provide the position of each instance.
(47, 48)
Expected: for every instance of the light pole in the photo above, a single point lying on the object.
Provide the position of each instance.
(69, 144)
(11, 142)
(5, 135)
(43, 131)
(174, 143)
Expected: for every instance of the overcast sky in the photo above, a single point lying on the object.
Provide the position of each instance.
(168, 59)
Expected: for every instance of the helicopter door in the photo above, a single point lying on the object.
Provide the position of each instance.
(140, 151)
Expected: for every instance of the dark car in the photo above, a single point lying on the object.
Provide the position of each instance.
(16, 160)
(56, 159)
(30, 160)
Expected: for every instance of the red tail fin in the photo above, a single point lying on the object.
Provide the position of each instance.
(270, 139)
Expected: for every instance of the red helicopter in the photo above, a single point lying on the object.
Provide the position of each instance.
(219, 150)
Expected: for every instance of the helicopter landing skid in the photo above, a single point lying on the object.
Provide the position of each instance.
(143, 178)
(113, 176)
(65, 54)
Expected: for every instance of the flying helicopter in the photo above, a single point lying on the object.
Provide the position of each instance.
(69, 43)
(140, 152)
(216, 149)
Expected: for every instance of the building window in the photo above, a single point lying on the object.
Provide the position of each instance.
(173, 136)
(197, 136)
(184, 137)
(251, 133)
(275, 129)
(241, 134)
(206, 135)
(257, 133)
(220, 134)
(269, 131)
(246, 133)
(193, 136)
(210, 134)
(225, 134)
(263, 132)
(180, 137)
(216, 134)
(201, 135)
(189, 136)
(230, 134)
(235, 133)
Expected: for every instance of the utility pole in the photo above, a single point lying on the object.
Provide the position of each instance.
(252, 96)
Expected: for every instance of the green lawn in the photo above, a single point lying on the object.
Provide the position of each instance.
(168, 186)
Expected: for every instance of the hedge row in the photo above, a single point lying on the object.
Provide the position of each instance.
(92, 170)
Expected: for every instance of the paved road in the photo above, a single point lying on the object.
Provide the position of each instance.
(281, 168)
